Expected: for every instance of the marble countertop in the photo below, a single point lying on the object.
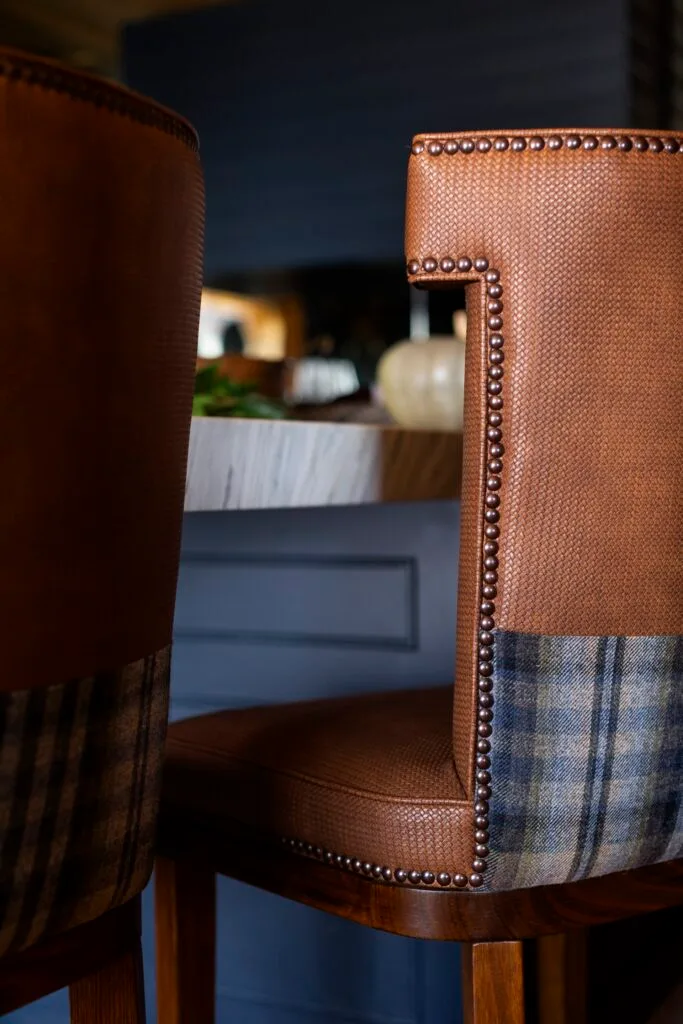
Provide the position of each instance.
(258, 464)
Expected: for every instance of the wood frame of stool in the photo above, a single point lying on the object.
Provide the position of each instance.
(493, 926)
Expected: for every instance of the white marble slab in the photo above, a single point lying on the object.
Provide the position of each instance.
(259, 464)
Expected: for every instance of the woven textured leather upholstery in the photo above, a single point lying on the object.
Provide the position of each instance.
(100, 277)
(370, 777)
(569, 245)
(568, 715)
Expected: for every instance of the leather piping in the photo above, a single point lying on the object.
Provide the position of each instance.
(90, 89)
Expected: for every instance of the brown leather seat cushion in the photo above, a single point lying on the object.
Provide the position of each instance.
(370, 777)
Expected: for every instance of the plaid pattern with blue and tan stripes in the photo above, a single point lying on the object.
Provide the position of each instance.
(586, 758)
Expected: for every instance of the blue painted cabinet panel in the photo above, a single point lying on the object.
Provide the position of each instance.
(290, 605)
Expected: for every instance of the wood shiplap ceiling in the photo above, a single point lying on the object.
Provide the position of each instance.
(84, 33)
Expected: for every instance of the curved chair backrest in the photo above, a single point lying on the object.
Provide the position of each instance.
(100, 277)
(569, 721)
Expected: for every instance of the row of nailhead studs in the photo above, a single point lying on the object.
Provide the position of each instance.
(494, 467)
(91, 91)
(517, 143)
(385, 874)
(489, 579)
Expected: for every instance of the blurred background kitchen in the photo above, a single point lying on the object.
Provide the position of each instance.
(305, 112)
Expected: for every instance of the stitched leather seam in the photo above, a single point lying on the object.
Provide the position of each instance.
(79, 86)
(331, 786)
(536, 142)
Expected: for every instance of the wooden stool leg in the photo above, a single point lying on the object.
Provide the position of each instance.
(493, 983)
(186, 942)
(561, 975)
(113, 995)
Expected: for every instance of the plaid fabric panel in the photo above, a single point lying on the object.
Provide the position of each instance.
(586, 758)
(80, 774)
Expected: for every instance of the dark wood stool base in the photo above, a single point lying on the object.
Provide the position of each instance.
(492, 926)
(112, 995)
(101, 962)
(186, 942)
(493, 983)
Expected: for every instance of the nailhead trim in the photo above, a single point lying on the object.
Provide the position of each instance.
(100, 93)
(410, 877)
(468, 266)
(536, 143)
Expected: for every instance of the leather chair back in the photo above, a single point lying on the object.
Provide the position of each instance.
(568, 715)
(100, 277)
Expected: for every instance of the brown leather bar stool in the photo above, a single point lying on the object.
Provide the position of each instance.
(100, 257)
(546, 795)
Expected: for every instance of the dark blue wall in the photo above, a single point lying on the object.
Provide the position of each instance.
(306, 108)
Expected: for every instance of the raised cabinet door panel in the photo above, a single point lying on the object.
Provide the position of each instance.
(276, 606)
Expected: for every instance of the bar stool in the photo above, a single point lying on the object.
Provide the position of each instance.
(100, 277)
(543, 793)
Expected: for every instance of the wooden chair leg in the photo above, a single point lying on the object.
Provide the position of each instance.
(562, 978)
(186, 942)
(113, 995)
(493, 983)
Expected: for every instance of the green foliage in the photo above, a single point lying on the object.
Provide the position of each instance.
(217, 395)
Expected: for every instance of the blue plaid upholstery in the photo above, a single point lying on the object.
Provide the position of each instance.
(587, 756)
